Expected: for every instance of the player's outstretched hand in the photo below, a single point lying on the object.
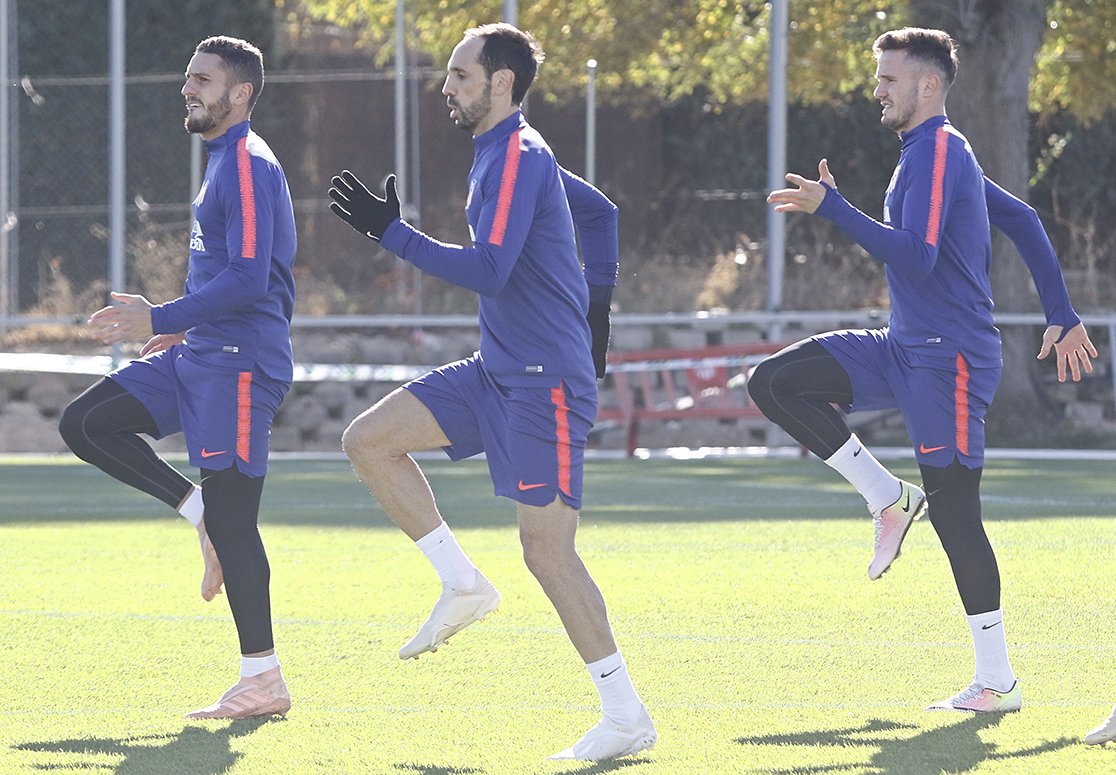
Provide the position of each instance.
(807, 195)
(1074, 350)
(126, 321)
(160, 342)
(360, 208)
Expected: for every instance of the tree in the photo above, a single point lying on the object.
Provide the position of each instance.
(667, 49)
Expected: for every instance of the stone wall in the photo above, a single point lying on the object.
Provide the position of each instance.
(316, 413)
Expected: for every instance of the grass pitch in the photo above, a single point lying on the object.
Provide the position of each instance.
(738, 591)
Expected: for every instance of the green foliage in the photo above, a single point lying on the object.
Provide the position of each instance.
(1074, 70)
(667, 50)
(660, 49)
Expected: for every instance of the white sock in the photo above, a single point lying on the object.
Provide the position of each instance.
(853, 461)
(454, 567)
(619, 701)
(193, 508)
(990, 645)
(250, 666)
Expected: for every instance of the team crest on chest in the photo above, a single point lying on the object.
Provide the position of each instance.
(197, 245)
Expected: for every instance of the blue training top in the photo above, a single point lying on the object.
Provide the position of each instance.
(937, 249)
(524, 259)
(236, 310)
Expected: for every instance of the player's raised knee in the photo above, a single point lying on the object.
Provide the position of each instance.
(760, 382)
(368, 435)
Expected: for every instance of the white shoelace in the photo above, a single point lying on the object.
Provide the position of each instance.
(971, 693)
(878, 524)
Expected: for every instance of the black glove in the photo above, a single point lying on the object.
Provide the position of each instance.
(599, 327)
(360, 208)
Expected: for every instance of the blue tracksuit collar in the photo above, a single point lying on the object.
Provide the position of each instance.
(501, 131)
(929, 126)
(232, 134)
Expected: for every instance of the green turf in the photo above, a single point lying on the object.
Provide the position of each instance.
(738, 591)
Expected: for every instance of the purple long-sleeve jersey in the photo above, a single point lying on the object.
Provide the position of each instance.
(936, 246)
(239, 297)
(524, 258)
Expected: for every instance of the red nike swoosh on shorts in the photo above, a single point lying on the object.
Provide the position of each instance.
(927, 450)
(524, 487)
(206, 453)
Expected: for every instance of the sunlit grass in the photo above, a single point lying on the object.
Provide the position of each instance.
(738, 591)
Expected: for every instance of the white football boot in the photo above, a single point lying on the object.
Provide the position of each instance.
(455, 610)
(1105, 733)
(978, 698)
(892, 524)
(608, 740)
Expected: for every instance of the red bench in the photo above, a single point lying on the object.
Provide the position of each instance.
(681, 384)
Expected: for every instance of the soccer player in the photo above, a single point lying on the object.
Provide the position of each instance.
(216, 363)
(939, 359)
(528, 398)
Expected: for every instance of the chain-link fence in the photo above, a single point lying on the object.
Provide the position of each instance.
(59, 246)
(319, 123)
(689, 186)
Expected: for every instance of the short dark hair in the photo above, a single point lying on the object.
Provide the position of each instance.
(509, 48)
(243, 60)
(933, 47)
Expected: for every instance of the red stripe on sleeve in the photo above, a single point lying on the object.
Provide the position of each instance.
(507, 190)
(937, 183)
(244, 416)
(247, 199)
(961, 404)
(562, 432)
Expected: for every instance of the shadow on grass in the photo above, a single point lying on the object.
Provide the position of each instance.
(325, 493)
(954, 748)
(193, 751)
(612, 765)
(580, 768)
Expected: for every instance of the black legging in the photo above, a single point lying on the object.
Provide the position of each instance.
(954, 495)
(102, 427)
(232, 507)
(796, 387)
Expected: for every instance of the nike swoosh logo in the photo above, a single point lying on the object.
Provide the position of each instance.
(207, 453)
(990, 626)
(525, 487)
(927, 450)
(857, 451)
(610, 672)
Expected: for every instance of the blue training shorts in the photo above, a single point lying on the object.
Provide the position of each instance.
(533, 437)
(225, 414)
(943, 399)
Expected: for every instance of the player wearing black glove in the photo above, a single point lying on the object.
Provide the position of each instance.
(360, 208)
(600, 303)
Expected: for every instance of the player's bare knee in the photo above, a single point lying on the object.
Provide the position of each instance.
(546, 557)
(365, 438)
